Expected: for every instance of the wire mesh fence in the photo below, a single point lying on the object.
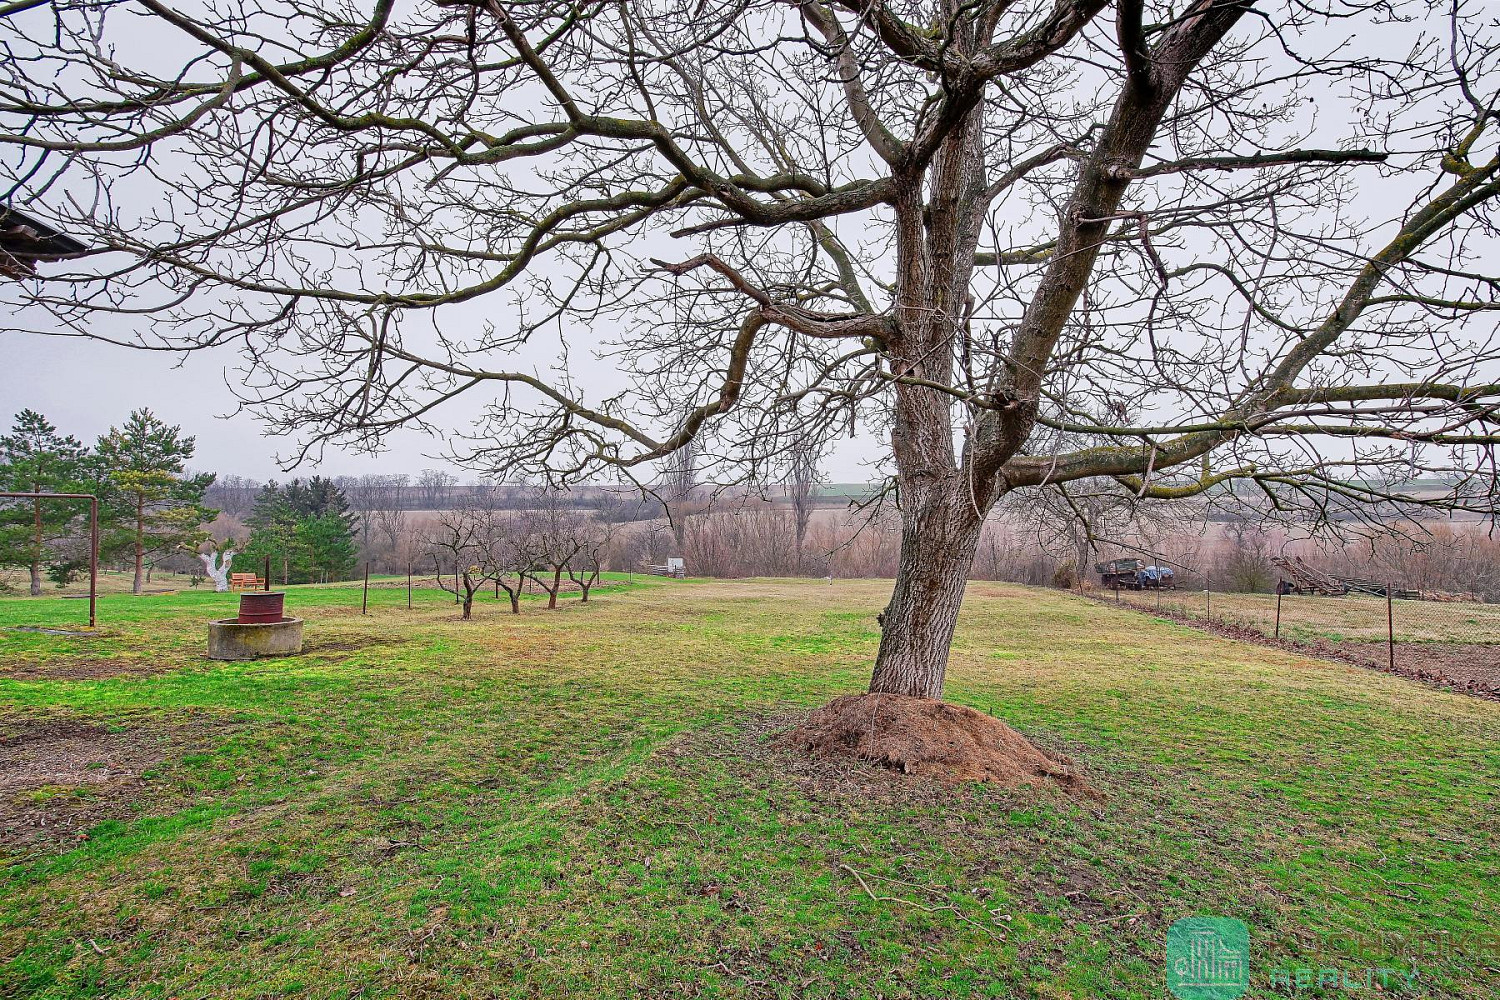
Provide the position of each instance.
(1455, 642)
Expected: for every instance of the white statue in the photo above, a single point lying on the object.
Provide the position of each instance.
(217, 563)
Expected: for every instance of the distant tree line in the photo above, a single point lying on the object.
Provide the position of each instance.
(431, 490)
(150, 505)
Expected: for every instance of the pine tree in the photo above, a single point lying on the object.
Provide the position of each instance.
(327, 546)
(154, 505)
(304, 528)
(34, 458)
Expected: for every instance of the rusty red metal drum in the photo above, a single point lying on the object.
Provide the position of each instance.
(257, 607)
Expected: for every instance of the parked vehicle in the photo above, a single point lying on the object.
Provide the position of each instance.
(1134, 574)
(1120, 573)
(1155, 578)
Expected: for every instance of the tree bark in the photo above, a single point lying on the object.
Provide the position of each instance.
(36, 546)
(140, 546)
(939, 535)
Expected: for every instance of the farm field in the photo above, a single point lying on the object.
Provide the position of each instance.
(594, 801)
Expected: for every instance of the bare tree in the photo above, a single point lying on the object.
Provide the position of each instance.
(550, 541)
(1248, 565)
(594, 539)
(434, 487)
(508, 560)
(371, 497)
(232, 494)
(804, 480)
(677, 490)
(466, 541)
(393, 528)
(1082, 516)
(974, 226)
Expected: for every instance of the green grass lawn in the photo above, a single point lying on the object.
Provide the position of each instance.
(588, 802)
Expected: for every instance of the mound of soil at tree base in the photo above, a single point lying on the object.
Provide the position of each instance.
(933, 739)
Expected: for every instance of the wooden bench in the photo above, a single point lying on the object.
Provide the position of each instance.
(245, 581)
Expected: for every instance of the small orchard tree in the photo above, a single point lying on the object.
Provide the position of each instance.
(977, 228)
(459, 542)
(508, 559)
(34, 458)
(154, 505)
(593, 538)
(550, 542)
(478, 543)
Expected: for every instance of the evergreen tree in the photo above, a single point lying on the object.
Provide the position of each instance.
(34, 458)
(327, 546)
(306, 530)
(154, 505)
(316, 498)
(272, 524)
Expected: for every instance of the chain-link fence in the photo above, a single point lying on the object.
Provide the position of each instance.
(1455, 642)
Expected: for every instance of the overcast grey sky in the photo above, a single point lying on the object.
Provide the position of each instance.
(85, 386)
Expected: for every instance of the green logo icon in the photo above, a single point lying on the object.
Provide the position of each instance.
(1208, 958)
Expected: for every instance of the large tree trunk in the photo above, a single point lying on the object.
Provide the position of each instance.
(36, 547)
(939, 534)
(943, 501)
(140, 547)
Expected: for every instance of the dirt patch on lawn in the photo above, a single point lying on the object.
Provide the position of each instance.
(60, 776)
(925, 738)
(350, 645)
(81, 668)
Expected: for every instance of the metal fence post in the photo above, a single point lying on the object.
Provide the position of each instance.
(1208, 597)
(408, 588)
(1277, 633)
(1390, 625)
(268, 574)
(364, 604)
(37, 497)
(93, 561)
